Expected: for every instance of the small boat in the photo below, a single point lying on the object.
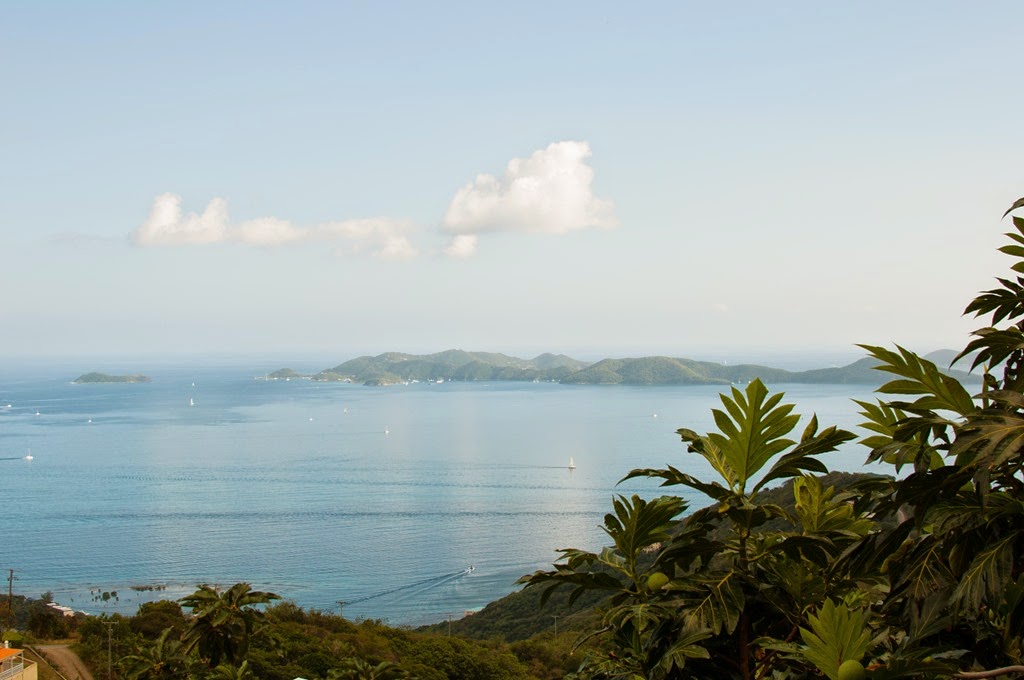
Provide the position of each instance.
(190, 402)
(572, 465)
(29, 456)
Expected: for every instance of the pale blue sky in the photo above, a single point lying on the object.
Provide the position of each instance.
(700, 180)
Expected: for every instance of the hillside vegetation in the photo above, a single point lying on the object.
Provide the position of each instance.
(394, 367)
(233, 635)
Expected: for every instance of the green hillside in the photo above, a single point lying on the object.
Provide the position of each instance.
(397, 367)
(670, 371)
(393, 367)
(285, 374)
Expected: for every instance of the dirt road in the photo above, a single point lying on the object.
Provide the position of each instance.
(65, 661)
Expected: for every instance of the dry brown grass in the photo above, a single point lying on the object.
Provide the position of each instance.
(46, 672)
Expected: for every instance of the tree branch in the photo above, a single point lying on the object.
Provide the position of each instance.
(994, 673)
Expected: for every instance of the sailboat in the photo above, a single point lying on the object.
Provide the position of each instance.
(190, 402)
(572, 465)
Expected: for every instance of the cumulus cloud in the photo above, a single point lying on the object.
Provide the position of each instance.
(168, 225)
(462, 246)
(548, 192)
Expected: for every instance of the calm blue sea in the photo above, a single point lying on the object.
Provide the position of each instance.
(379, 497)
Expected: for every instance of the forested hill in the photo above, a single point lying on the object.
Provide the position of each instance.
(453, 364)
(395, 367)
(671, 371)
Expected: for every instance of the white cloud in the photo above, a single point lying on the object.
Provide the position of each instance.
(381, 236)
(397, 248)
(268, 231)
(548, 192)
(462, 246)
(167, 226)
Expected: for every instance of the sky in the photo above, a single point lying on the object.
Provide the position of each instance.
(705, 180)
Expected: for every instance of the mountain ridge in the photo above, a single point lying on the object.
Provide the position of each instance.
(459, 365)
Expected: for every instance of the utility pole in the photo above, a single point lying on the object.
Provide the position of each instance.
(9, 619)
(341, 608)
(110, 633)
(449, 625)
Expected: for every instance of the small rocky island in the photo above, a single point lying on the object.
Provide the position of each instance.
(106, 378)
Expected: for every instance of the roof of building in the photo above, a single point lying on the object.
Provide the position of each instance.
(6, 652)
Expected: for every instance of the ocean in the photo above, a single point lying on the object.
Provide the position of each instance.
(407, 503)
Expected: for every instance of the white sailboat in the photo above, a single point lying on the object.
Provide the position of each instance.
(572, 465)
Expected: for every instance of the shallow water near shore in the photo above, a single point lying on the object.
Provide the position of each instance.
(380, 497)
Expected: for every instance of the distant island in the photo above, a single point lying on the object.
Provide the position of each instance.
(105, 378)
(283, 374)
(394, 368)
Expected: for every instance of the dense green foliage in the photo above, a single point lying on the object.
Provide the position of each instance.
(22, 616)
(920, 575)
(235, 634)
